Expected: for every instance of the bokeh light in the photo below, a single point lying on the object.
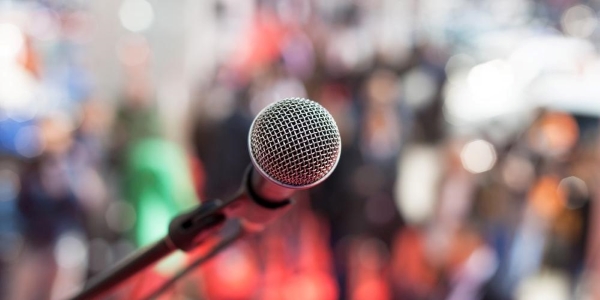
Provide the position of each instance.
(45, 25)
(71, 251)
(488, 91)
(518, 173)
(478, 156)
(579, 21)
(416, 194)
(577, 191)
(419, 88)
(28, 141)
(545, 286)
(11, 41)
(120, 216)
(136, 15)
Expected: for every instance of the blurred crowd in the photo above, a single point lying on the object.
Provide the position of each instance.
(470, 142)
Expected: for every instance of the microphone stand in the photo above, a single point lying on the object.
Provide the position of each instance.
(189, 230)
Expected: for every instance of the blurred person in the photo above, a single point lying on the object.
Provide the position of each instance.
(367, 168)
(466, 259)
(554, 196)
(158, 183)
(52, 216)
(19, 88)
(220, 137)
(372, 135)
(471, 263)
(325, 198)
(497, 211)
(547, 232)
(380, 136)
(441, 256)
(433, 263)
(137, 118)
(154, 177)
(94, 185)
(155, 174)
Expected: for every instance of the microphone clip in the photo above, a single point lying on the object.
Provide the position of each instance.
(191, 229)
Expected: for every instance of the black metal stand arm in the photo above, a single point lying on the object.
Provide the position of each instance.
(185, 232)
(189, 230)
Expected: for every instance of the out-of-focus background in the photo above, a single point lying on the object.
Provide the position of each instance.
(469, 166)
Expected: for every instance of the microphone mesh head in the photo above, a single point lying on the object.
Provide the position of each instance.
(295, 142)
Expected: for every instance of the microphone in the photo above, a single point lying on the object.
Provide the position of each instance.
(294, 144)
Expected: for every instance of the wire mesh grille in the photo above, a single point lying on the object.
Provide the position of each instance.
(295, 141)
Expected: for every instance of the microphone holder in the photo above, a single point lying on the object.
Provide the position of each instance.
(189, 230)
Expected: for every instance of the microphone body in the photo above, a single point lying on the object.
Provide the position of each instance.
(267, 189)
(259, 202)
